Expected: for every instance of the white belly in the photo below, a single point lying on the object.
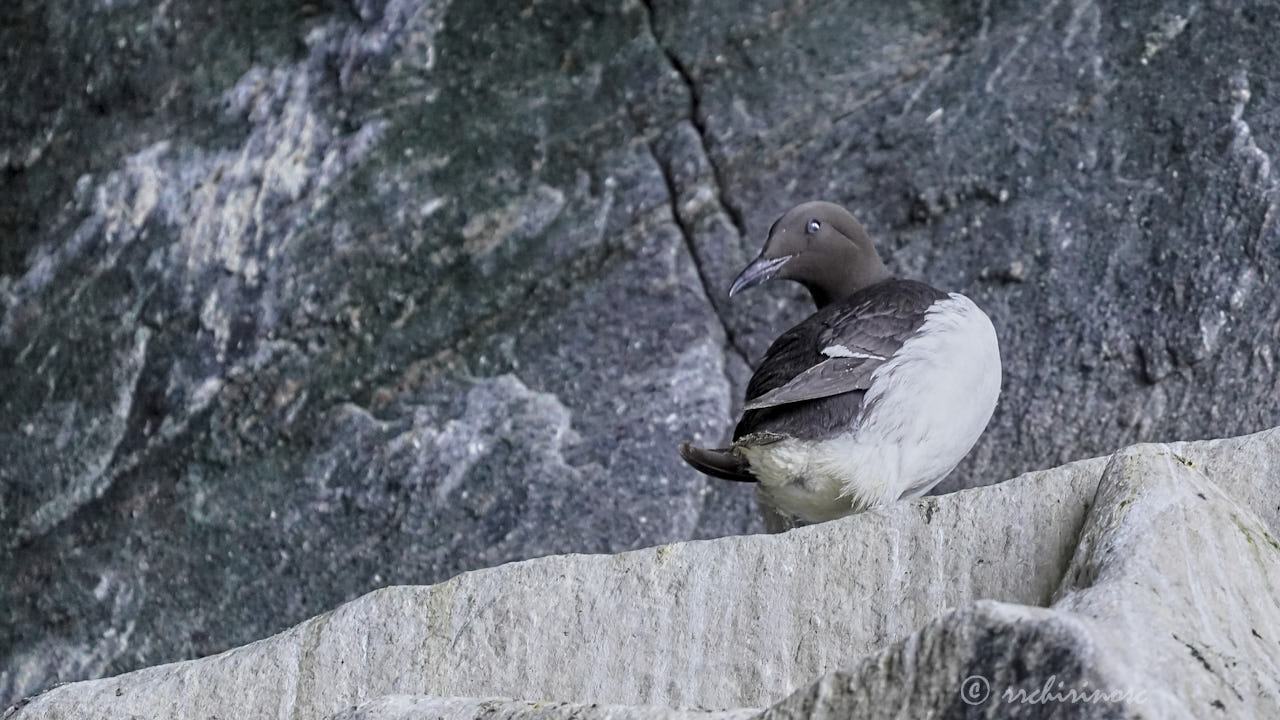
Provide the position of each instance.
(926, 408)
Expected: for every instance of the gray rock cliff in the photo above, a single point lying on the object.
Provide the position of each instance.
(299, 300)
(1145, 577)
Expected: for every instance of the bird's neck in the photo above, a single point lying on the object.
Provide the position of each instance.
(845, 276)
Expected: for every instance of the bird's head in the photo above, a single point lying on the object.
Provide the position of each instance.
(819, 245)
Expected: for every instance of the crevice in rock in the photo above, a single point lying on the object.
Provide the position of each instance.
(1077, 571)
(1072, 577)
(731, 212)
(686, 232)
(698, 120)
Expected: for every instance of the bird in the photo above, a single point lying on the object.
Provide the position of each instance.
(875, 397)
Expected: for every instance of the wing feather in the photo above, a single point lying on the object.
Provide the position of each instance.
(832, 377)
(837, 350)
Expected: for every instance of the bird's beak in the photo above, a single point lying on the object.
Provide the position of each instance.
(757, 272)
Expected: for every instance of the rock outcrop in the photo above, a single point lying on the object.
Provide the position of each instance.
(1143, 582)
(298, 300)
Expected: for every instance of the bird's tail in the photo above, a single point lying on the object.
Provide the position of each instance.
(722, 463)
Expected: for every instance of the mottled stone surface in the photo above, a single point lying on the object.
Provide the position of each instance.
(1142, 576)
(360, 329)
(1167, 610)
(410, 707)
(735, 622)
(299, 300)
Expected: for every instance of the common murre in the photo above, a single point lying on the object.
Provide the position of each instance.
(876, 396)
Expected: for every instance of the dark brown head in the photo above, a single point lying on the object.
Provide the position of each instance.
(819, 245)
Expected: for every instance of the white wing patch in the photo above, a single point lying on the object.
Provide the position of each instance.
(840, 351)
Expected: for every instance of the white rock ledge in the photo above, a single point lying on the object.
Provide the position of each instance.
(1151, 577)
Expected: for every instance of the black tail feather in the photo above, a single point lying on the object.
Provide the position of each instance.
(721, 463)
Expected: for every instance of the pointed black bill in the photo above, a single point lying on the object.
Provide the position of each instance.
(757, 272)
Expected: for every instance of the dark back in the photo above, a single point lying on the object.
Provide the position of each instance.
(875, 320)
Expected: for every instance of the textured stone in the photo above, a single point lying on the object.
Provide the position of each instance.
(340, 338)
(1143, 576)
(408, 707)
(727, 623)
(1167, 609)
(253, 253)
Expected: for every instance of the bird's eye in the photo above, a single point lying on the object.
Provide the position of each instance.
(814, 226)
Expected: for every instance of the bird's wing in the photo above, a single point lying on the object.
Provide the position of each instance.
(831, 377)
(838, 349)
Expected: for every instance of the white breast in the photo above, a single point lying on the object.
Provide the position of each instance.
(930, 402)
(925, 409)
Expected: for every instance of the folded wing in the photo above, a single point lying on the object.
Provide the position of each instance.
(838, 349)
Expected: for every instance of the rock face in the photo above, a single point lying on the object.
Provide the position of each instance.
(300, 300)
(416, 707)
(1146, 577)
